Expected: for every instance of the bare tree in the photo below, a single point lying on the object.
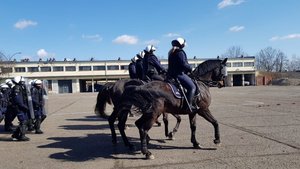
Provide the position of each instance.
(294, 63)
(6, 63)
(270, 59)
(234, 52)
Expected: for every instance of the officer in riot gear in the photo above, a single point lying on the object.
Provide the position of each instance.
(132, 68)
(20, 106)
(10, 115)
(139, 65)
(37, 94)
(3, 100)
(151, 65)
(178, 69)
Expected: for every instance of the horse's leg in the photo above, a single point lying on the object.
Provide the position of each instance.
(121, 125)
(192, 118)
(111, 120)
(144, 124)
(171, 134)
(166, 123)
(206, 114)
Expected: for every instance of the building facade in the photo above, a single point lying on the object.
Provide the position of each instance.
(88, 76)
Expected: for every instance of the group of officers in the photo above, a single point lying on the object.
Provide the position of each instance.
(146, 66)
(25, 100)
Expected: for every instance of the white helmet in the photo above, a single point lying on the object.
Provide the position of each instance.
(150, 48)
(141, 54)
(179, 42)
(8, 82)
(18, 79)
(4, 85)
(134, 59)
(37, 82)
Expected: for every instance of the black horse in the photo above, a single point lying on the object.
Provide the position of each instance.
(156, 98)
(111, 93)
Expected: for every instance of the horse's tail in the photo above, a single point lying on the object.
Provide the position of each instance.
(103, 97)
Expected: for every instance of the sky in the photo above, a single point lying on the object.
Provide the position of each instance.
(112, 29)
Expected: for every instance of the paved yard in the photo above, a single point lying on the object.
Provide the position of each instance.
(260, 128)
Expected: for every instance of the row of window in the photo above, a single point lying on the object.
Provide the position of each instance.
(111, 67)
(69, 68)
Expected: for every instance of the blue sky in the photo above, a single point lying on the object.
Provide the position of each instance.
(108, 29)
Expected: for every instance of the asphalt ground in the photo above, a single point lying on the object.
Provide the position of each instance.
(259, 127)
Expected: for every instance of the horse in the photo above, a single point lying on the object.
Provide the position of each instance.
(111, 93)
(156, 97)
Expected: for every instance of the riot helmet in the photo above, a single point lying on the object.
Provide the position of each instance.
(179, 42)
(19, 80)
(150, 49)
(141, 54)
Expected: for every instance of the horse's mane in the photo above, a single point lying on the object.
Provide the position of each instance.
(206, 66)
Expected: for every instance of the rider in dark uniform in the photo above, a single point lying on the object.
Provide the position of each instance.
(179, 67)
(151, 65)
(139, 65)
(37, 93)
(20, 106)
(132, 68)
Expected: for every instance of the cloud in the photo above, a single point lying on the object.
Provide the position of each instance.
(42, 53)
(96, 37)
(286, 37)
(126, 39)
(236, 28)
(22, 24)
(152, 42)
(171, 35)
(226, 3)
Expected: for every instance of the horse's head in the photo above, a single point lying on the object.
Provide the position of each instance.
(211, 70)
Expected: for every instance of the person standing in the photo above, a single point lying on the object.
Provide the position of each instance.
(37, 94)
(20, 106)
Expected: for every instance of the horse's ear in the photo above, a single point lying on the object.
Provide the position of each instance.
(224, 61)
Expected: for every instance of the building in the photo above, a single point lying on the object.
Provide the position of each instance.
(87, 76)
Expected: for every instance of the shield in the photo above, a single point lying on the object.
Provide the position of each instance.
(45, 97)
(29, 98)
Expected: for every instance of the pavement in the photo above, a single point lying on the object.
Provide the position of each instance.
(259, 127)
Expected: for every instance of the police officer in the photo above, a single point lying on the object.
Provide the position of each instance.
(10, 115)
(179, 67)
(151, 65)
(139, 65)
(20, 106)
(3, 100)
(37, 93)
(132, 68)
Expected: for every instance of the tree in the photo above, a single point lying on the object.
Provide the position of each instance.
(270, 59)
(294, 63)
(234, 52)
(6, 63)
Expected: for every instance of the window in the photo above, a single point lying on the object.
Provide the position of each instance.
(124, 67)
(237, 64)
(249, 64)
(49, 85)
(113, 67)
(58, 68)
(70, 68)
(19, 69)
(98, 67)
(33, 69)
(85, 68)
(46, 69)
(228, 64)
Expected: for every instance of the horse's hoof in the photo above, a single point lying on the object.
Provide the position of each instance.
(171, 136)
(197, 146)
(217, 141)
(150, 156)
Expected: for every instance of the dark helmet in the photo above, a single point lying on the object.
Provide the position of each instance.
(179, 42)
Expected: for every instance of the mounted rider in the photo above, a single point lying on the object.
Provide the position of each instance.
(139, 65)
(132, 68)
(151, 65)
(178, 69)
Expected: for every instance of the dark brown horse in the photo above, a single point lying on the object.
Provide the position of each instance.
(156, 98)
(111, 93)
